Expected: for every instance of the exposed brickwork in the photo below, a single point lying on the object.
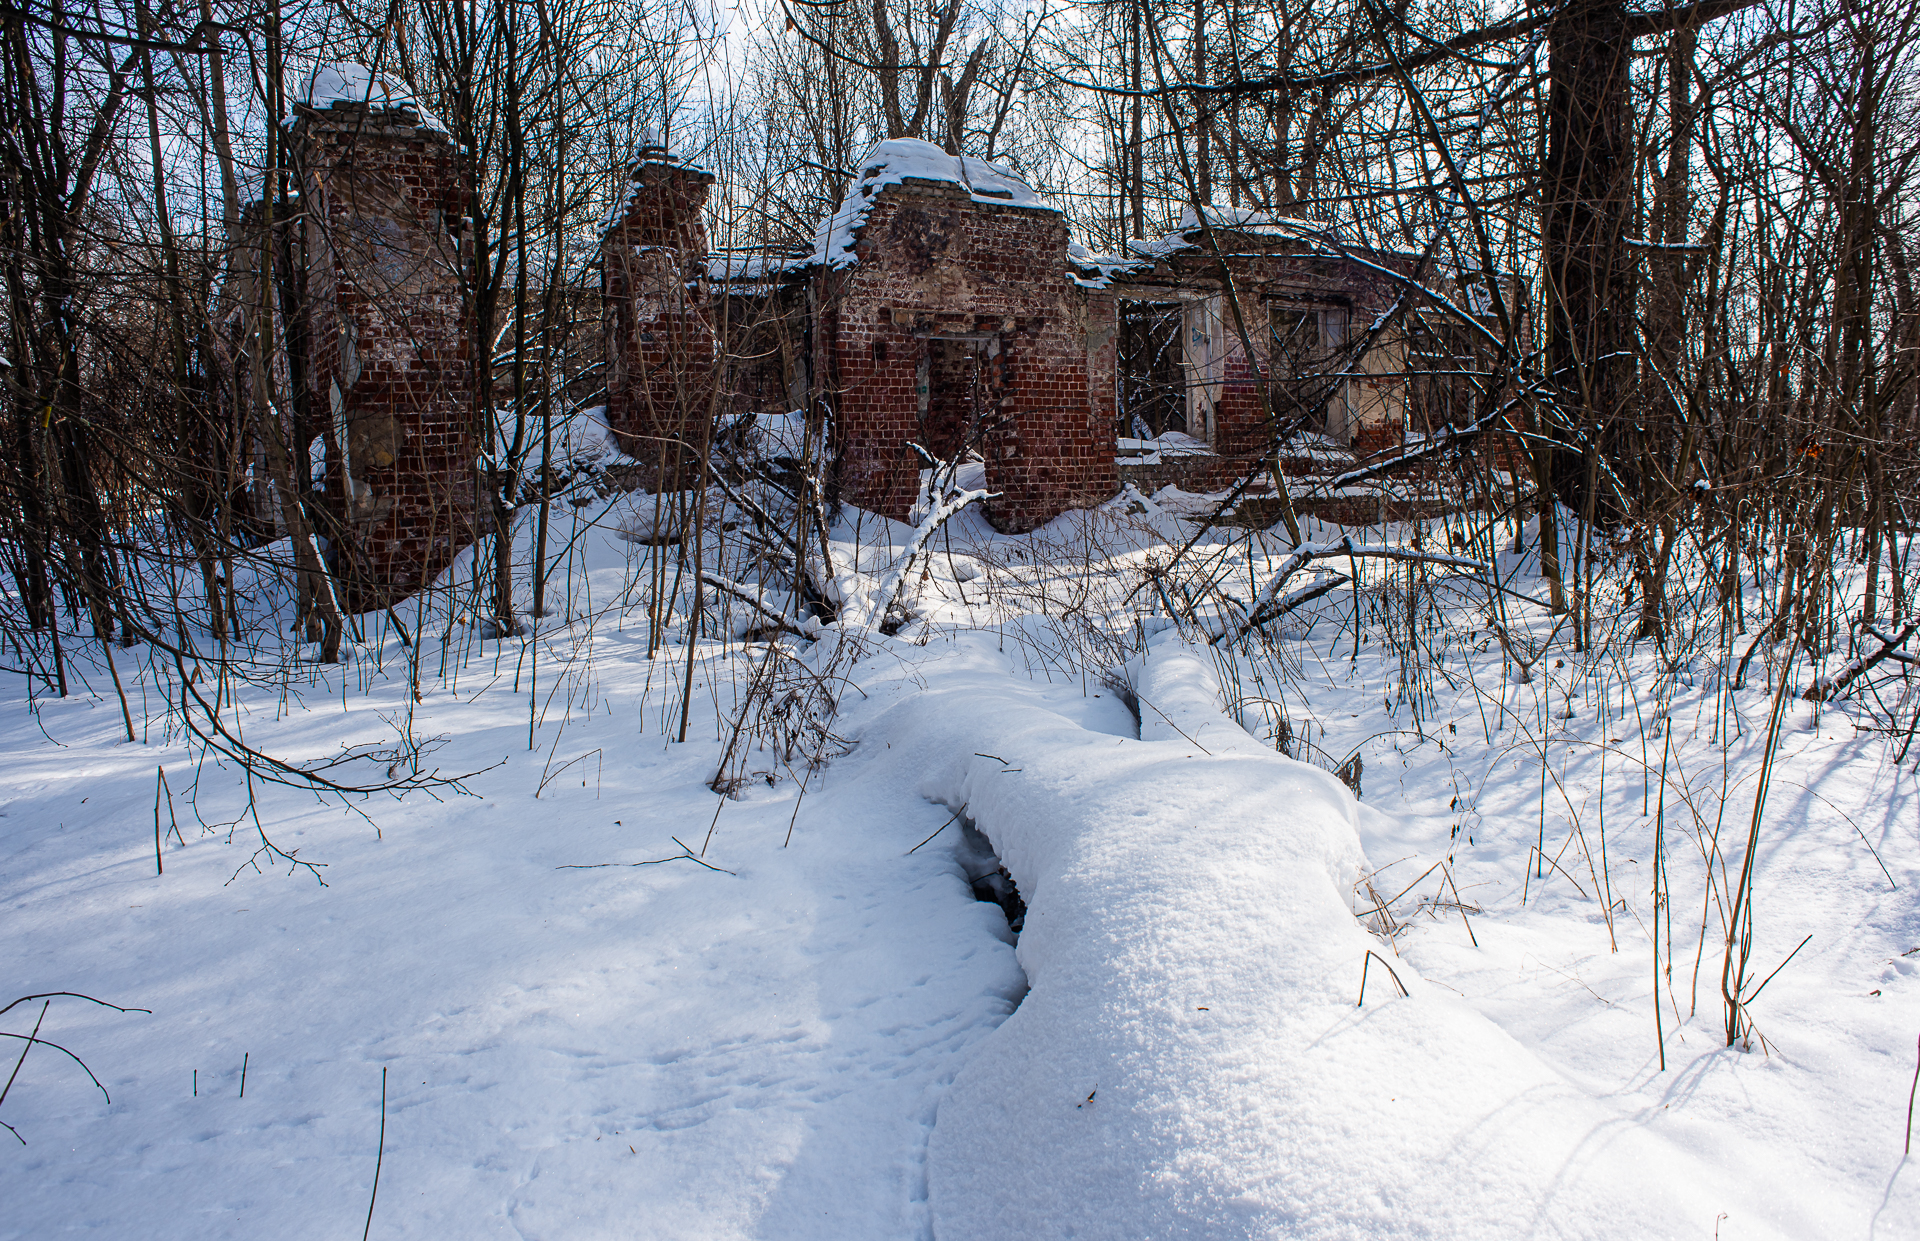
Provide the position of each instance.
(388, 364)
(958, 327)
(660, 339)
(970, 300)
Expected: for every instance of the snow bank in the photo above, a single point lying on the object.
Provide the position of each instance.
(895, 161)
(328, 85)
(1190, 1061)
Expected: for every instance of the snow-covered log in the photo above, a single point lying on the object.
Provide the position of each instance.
(1829, 687)
(1189, 1061)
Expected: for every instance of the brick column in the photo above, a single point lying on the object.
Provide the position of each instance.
(660, 341)
(877, 368)
(388, 361)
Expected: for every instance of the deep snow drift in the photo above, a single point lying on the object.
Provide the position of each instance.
(813, 1029)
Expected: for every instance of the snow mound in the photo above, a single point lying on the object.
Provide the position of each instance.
(898, 160)
(345, 82)
(1190, 1061)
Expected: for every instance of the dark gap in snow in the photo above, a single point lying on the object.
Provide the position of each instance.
(1116, 682)
(987, 877)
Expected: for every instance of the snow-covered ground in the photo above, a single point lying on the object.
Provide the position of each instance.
(608, 1003)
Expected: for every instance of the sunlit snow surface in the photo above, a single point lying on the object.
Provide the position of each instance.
(814, 1040)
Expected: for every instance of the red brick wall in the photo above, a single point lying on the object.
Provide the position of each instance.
(660, 340)
(934, 263)
(388, 364)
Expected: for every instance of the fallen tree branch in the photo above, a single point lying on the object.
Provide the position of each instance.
(896, 578)
(753, 599)
(685, 855)
(1444, 440)
(1306, 553)
(1824, 688)
(1280, 607)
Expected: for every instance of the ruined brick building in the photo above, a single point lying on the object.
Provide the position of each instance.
(944, 309)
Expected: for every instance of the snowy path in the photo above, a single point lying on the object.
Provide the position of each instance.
(656, 1052)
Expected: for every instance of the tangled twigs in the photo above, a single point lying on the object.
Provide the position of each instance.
(788, 708)
(215, 736)
(47, 998)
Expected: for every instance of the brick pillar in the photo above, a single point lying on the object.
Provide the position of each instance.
(877, 366)
(388, 350)
(660, 342)
(1052, 447)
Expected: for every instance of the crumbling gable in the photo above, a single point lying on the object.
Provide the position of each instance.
(949, 321)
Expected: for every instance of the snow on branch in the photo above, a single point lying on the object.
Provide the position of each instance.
(1824, 688)
(1274, 610)
(756, 599)
(1268, 605)
(897, 576)
(1443, 440)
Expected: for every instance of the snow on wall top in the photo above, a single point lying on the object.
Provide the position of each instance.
(1096, 271)
(345, 82)
(750, 268)
(895, 161)
(1232, 219)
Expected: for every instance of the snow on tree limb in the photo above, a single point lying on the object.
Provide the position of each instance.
(755, 599)
(1824, 688)
(1301, 556)
(897, 576)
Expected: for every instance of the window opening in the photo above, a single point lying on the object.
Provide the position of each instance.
(1444, 372)
(1308, 349)
(1153, 397)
